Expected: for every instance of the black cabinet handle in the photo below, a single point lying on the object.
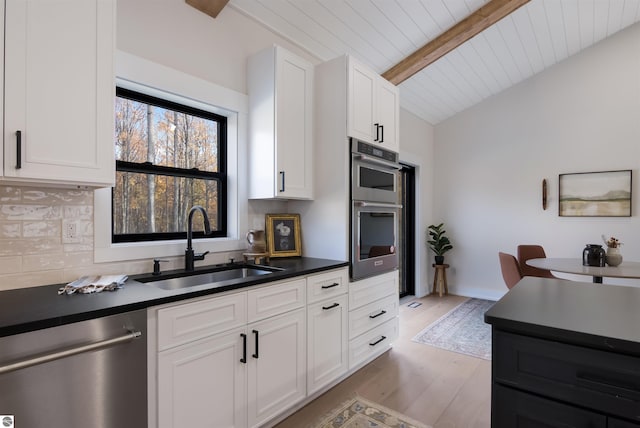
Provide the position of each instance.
(603, 385)
(282, 181)
(378, 341)
(335, 284)
(335, 305)
(18, 149)
(244, 348)
(378, 314)
(377, 125)
(382, 134)
(255, 355)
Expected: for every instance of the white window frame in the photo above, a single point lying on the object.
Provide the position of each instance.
(144, 76)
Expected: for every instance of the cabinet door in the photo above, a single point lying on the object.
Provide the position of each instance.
(59, 91)
(327, 342)
(203, 384)
(277, 365)
(294, 122)
(388, 105)
(511, 408)
(361, 102)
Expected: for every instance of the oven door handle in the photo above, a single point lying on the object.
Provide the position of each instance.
(376, 204)
(377, 161)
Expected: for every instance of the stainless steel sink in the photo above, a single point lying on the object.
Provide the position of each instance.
(217, 277)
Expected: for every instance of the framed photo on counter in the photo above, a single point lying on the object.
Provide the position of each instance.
(283, 235)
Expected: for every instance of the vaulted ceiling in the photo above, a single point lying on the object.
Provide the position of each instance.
(381, 33)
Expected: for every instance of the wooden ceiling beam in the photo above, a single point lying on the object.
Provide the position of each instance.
(464, 30)
(210, 7)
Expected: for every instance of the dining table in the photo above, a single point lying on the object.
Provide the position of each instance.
(627, 269)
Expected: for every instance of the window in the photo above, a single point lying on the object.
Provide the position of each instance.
(169, 157)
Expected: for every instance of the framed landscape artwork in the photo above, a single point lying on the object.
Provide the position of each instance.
(283, 235)
(595, 194)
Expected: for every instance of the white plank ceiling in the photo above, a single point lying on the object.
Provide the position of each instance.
(383, 32)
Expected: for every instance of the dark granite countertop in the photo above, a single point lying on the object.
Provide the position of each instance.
(35, 308)
(601, 316)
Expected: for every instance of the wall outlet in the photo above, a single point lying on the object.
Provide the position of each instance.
(70, 233)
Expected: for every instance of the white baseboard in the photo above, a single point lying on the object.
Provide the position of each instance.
(479, 293)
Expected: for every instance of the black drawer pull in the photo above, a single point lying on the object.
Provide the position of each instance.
(378, 341)
(335, 284)
(282, 181)
(378, 314)
(256, 353)
(335, 305)
(244, 348)
(18, 149)
(608, 386)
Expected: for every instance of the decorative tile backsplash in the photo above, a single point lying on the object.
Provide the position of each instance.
(34, 249)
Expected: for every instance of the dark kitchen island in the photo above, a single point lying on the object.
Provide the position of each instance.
(566, 354)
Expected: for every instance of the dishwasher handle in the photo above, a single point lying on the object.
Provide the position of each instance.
(57, 355)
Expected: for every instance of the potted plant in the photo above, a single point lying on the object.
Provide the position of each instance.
(438, 242)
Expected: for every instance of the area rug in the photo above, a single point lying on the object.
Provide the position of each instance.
(361, 413)
(461, 330)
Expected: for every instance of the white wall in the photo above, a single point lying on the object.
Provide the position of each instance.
(417, 150)
(174, 34)
(167, 32)
(581, 115)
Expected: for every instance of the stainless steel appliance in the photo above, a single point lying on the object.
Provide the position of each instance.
(86, 374)
(374, 173)
(375, 210)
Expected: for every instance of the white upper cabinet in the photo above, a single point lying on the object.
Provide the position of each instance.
(59, 92)
(373, 107)
(280, 86)
(388, 108)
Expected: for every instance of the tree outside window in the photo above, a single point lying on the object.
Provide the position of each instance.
(169, 157)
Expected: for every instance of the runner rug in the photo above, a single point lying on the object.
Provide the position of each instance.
(361, 413)
(462, 330)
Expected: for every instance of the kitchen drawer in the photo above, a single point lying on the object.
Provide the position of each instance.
(372, 315)
(371, 289)
(192, 321)
(276, 299)
(327, 285)
(521, 410)
(372, 343)
(599, 380)
(617, 423)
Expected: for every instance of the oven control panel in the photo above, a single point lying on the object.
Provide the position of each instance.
(368, 149)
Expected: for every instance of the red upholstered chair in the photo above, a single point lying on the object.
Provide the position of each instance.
(510, 269)
(526, 252)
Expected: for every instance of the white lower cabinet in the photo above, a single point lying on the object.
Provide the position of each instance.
(327, 341)
(373, 317)
(244, 358)
(232, 361)
(277, 365)
(203, 384)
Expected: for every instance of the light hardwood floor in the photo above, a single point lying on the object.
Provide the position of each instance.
(440, 388)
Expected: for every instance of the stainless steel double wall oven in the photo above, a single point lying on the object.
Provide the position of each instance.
(375, 209)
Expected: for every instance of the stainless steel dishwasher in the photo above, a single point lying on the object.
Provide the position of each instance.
(86, 374)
